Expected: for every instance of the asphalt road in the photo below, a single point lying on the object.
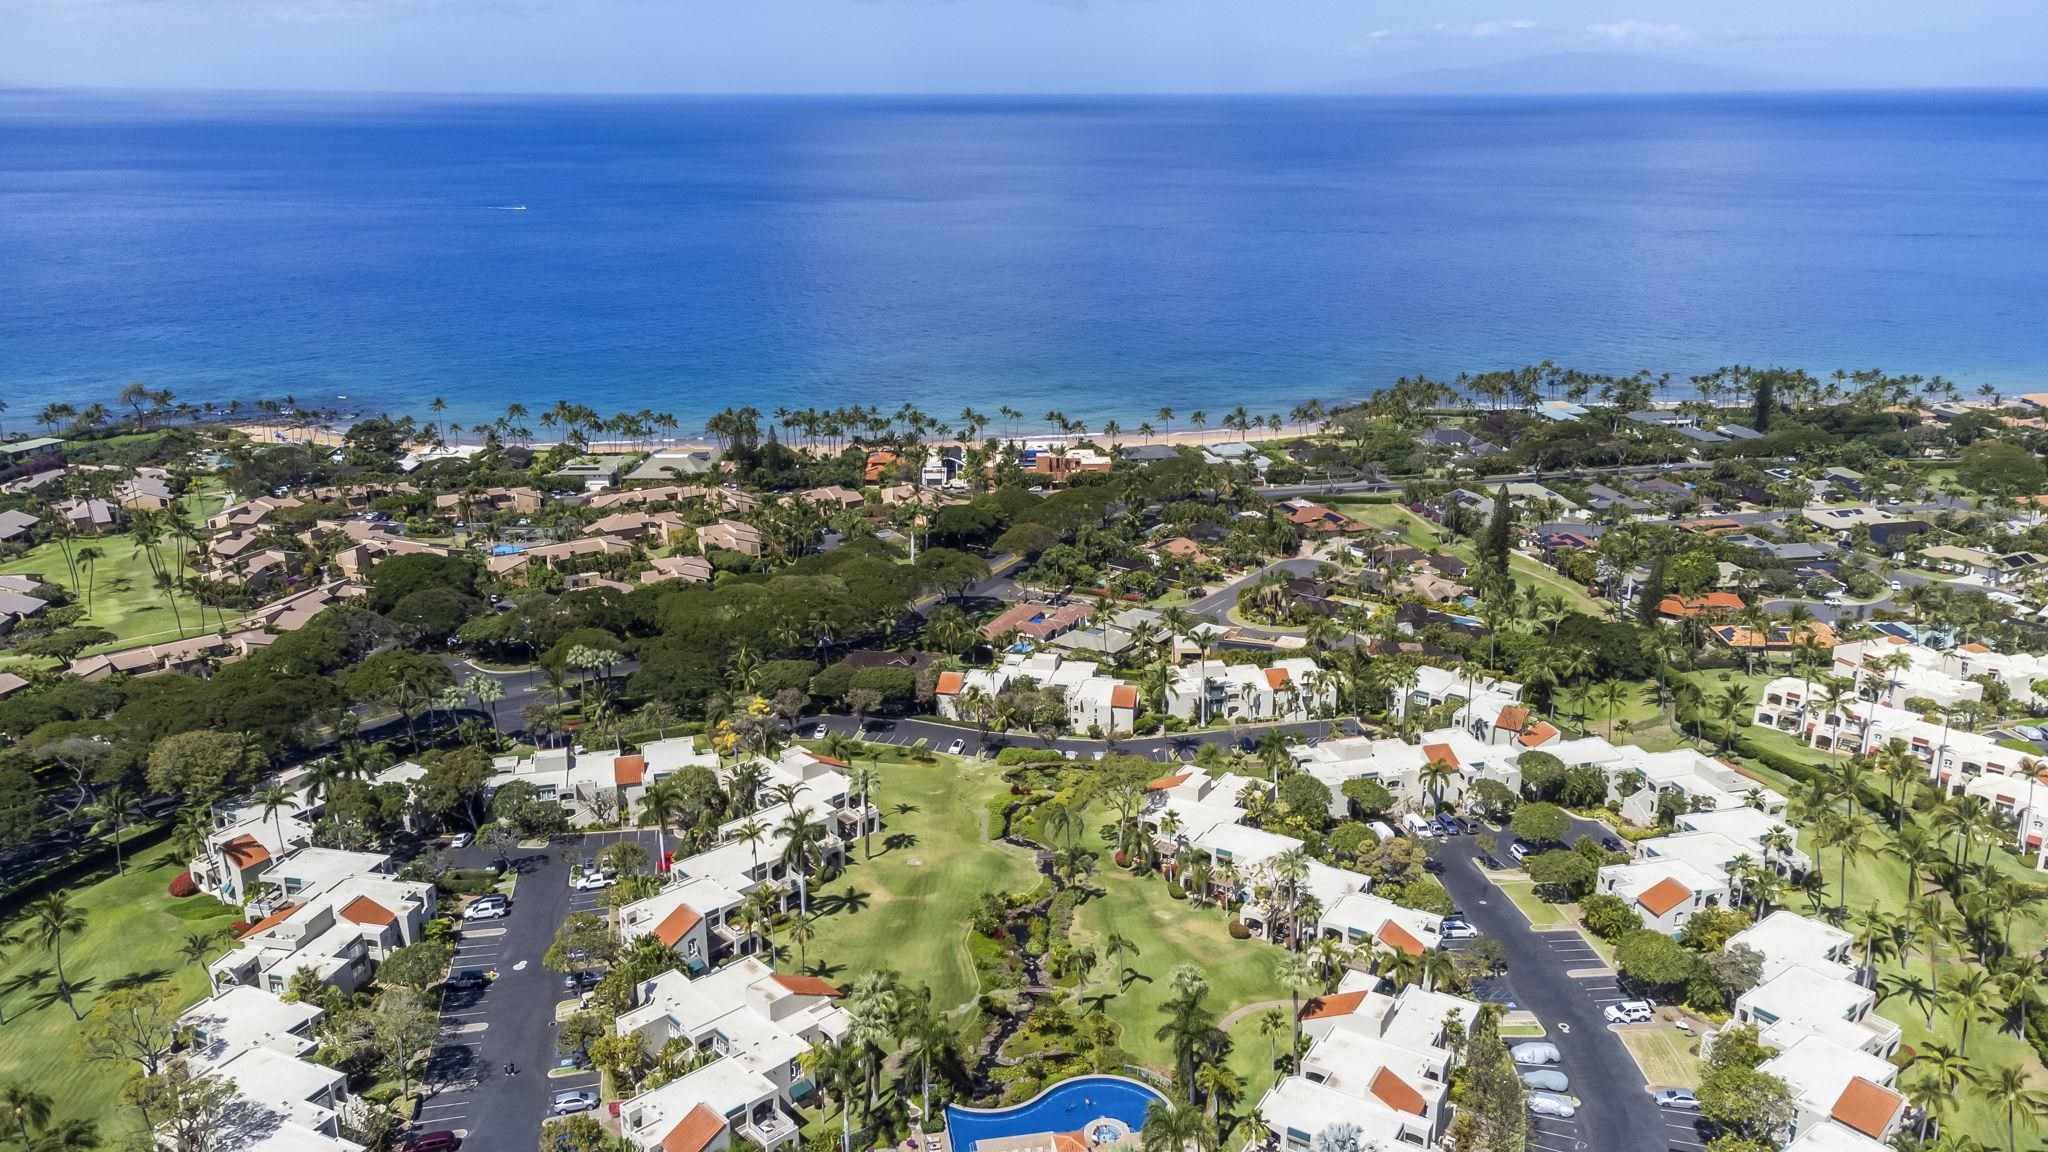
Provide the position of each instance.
(1558, 976)
(939, 736)
(510, 1020)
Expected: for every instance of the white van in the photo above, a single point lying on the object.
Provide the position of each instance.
(1417, 826)
(1380, 829)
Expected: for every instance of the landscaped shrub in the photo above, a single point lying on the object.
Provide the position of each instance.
(1175, 892)
(182, 885)
(239, 927)
(1238, 931)
(1009, 757)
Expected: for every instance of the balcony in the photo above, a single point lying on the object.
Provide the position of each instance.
(768, 1127)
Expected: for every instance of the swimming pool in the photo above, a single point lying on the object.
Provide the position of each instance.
(1068, 1106)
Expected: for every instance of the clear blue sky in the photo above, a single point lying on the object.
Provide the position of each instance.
(993, 45)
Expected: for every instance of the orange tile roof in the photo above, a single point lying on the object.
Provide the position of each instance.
(1867, 1107)
(677, 924)
(1123, 696)
(1336, 1004)
(1537, 734)
(1431, 753)
(949, 683)
(363, 910)
(1276, 678)
(245, 852)
(628, 771)
(1165, 782)
(1663, 896)
(807, 985)
(1514, 718)
(1071, 1142)
(828, 760)
(700, 1126)
(1975, 649)
(1399, 938)
(271, 921)
(1396, 1093)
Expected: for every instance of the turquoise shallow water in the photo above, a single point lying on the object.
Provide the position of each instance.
(1098, 256)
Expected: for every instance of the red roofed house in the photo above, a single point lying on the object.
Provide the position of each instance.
(1665, 891)
(1712, 606)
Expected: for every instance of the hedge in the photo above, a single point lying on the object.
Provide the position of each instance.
(1010, 757)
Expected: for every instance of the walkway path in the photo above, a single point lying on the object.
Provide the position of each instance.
(1230, 1019)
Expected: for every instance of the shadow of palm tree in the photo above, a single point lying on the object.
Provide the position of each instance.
(851, 901)
(138, 979)
(907, 809)
(896, 840)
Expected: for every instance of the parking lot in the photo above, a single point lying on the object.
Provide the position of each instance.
(488, 1080)
(1560, 978)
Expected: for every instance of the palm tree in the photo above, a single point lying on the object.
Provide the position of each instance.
(800, 836)
(1969, 997)
(1433, 776)
(1175, 1127)
(2011, 1088)
(50, 919)
(275, 801)
(658, 806)
(113, 811)
(1293, 973)
(870, 1008)
(27, 1107)
(488, 690)
(864, 779)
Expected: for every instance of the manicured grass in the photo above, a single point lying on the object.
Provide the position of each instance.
(125, 600)
(1419, 533)
(1169, 933)
(1668, 1057)
(908, 907)
(1522, 892)
(133, 927)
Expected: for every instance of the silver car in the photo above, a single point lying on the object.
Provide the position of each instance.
(1552, 1104)
(570, 1103)
(1534, 1052)
(1677, 1099)
(1546, 1079)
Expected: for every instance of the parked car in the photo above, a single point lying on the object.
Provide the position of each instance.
(573, 1061)
(1630, 1012)
(1519, 851)
(438, 1141)
(578, 981)
(1677, 1099)
(1552, 1104)
(1546, 1079)
(592, 881)
(1470, 825)
(459, 840)
(1458, 930)
(488, 908)
(1070, 754)
(820, 732)
(1534, 1052)
(1417, 827)
(570, 1103)
(1613, 844)
(1447, 826)
(467, 978)
(956, 747)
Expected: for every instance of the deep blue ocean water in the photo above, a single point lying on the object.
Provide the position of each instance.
(1098, 256)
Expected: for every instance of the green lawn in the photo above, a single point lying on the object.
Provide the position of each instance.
(1669, 1058)
(1168, 933)
(133, 927)
(908, 907)
(1522, 892)
(125, 600)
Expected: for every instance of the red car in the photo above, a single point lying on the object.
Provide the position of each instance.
(431, 1142)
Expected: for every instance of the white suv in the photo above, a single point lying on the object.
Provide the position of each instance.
(1630, 1012)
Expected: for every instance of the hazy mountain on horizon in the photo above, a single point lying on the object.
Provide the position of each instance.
(1560, 73)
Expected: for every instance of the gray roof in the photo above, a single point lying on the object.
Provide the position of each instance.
(1738, 432)
(13, 523)
(1699, 434)
(1149, 452)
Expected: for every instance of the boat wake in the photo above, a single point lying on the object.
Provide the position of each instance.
(507, 207)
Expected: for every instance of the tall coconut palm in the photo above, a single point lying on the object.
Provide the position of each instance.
(51, 919)
(112, 811)
(800, 851)
(2011, 1089)
(1970, 997)
(276, 801)
(864, 779)
(658, 806)
(1293, 973)
(871, 1012)
(26, 1108)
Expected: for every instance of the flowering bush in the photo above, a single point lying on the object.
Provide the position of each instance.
(182, 885)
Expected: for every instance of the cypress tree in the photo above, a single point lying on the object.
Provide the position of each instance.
(1766, 400)
(1651, 594)
(1499, 530)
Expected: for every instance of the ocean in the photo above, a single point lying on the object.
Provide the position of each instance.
(1101, 257)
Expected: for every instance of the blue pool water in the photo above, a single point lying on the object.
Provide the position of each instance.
(1068, 1106)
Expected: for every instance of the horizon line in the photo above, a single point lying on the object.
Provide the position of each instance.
(1073, 94)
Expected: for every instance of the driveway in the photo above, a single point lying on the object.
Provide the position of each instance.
(1562, 980)
(511, 1020)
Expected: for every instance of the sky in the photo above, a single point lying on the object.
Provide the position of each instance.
(1016, 46)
